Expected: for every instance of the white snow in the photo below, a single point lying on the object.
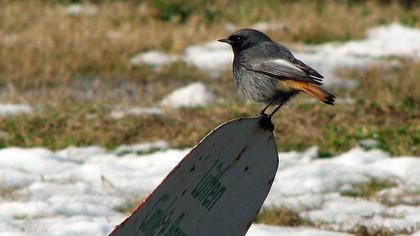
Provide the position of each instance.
(317, 189)
(212, 57)
(155, 59)
(391, 40)
(266, 230)
(406, 168)
(32, 160)
(192, 95)
(381, 42)
(9, 109)
(88, 190)
(135, 111)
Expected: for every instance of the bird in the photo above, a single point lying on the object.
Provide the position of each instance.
(267, 72)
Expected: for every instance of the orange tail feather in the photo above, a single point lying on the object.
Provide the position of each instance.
(313, 90)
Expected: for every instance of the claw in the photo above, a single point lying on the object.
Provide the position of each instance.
(265, 122)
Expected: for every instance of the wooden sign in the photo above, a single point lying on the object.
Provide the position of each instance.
(217, 189)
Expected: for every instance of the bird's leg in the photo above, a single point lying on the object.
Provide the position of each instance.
(262, 112)
(275, 110)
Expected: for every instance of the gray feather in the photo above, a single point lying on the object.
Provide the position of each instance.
(279, 71)
(263, 61)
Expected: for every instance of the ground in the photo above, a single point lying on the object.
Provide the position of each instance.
(74, 68)
(120, 73)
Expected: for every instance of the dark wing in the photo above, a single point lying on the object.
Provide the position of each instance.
(275, 60)
(311, 72)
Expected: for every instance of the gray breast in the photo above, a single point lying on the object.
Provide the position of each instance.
(258, 87)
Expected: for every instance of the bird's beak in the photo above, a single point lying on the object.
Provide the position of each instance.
(225, 41)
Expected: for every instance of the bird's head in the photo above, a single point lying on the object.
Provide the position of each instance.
(244, 38)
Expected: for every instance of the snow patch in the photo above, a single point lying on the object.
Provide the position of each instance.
(50, 193)
(382, 41)
(314, 189)
(192, 95)
(33, 160)
(154, 59)
(14, 109)
(266, 230)
(11, 179)
(135, 111)
(211, 57)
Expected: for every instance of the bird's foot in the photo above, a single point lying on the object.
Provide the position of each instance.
(265, 122)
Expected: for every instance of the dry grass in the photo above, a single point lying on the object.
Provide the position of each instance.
(386, 108)
(279, 216)
(75, 70)
(389, 114)
(368, 190)
(45, 46)
(52, 47)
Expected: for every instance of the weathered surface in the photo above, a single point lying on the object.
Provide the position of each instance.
(217, 189)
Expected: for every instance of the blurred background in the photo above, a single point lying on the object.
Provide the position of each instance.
(112, 73)
(74, 64)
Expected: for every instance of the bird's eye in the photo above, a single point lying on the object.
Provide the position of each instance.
(235, 38)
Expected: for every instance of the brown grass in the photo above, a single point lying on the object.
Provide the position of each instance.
(52, 47)
(279, 216)
(74, 70)
(388, 113)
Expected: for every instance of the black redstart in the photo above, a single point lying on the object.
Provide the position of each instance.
(267, 72)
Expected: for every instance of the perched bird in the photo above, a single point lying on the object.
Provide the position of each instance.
(267, 72)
